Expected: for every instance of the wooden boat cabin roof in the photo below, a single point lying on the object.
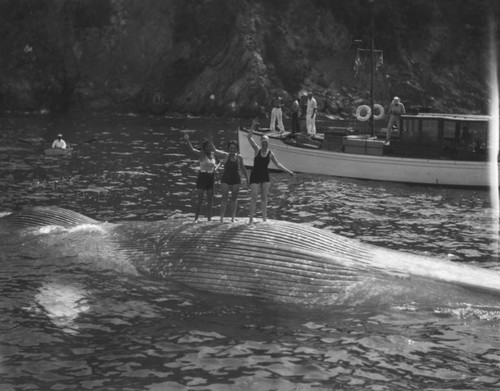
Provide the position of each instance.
(449, 117)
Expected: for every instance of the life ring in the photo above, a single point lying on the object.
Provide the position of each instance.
(378, 109)
(363, 113)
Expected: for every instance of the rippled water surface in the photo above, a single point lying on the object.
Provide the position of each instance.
(68, 325)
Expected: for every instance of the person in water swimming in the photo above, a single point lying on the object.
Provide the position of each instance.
(205, 180)
(231, 178)
(59, 142)
(259, 177)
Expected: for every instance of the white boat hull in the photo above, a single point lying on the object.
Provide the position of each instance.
(379, 168)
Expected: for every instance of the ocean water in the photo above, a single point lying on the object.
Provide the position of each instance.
(68, 325)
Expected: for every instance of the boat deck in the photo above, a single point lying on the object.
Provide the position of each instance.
(436, 149)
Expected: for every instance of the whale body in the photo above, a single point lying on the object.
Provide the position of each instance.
(274, 260)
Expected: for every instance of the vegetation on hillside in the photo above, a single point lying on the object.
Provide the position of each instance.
(227, 57)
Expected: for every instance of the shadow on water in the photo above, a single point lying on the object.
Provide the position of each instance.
(68, 325)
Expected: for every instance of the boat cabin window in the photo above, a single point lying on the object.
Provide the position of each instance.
(430, 130)
(460, 137)
(450, 130)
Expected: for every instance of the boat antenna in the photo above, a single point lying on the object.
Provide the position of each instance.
(372, 130)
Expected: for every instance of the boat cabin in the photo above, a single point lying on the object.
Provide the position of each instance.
(441, 136)
(425, 136)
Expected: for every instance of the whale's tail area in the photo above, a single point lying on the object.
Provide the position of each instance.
(41, 216)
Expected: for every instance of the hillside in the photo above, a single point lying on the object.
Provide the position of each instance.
(226, 57)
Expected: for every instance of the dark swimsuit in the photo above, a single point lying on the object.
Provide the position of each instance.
(231, 175)
(260, 172)
(205, 181)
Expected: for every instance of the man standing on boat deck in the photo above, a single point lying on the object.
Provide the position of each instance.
(312, 108)
(277, 114)
(396, 109)
(295, 116)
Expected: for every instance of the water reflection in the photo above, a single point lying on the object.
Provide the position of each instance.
(62, 304)
(67, 325)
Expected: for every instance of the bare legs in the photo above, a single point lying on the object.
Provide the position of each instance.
(234, 189)
(254, 193)
(225, 188)
(199, 203)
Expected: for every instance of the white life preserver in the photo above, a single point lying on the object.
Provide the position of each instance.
(363, 113)
(378, 108)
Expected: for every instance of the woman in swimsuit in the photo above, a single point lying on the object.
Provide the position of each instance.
(259, 177)
(231, 179)
(205, 180)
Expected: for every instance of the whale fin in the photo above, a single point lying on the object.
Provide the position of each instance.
(41, 216)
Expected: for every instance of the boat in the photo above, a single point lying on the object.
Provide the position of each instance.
(430, 149)
(58, 151)
(427, 148)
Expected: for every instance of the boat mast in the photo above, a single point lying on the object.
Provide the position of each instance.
(372, 130)
(371, 50)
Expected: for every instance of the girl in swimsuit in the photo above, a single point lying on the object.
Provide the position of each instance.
(231, 178)
(205, 180)
(259, 177)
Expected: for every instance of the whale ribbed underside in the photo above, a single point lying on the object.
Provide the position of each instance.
(43, 216)
(275, 259)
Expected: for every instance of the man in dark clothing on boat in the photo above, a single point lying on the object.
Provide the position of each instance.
(302, 114)
(295, 116)
(396, 109)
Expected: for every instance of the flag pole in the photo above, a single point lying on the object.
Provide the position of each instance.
(372, 130)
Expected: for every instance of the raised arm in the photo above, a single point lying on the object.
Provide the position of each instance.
(219, 153)
(250, 134)
(191, 148)
(280, 166)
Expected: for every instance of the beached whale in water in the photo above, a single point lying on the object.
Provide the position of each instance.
(276, 260)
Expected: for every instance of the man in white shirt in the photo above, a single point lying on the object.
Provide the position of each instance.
(396, 109)
(312, 108)
(59, 142)
(277, 114)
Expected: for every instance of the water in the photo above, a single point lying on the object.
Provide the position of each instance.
(72, 326)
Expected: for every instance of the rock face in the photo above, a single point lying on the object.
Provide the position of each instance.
(227, 57)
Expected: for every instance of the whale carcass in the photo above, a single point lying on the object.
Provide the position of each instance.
(275, 260)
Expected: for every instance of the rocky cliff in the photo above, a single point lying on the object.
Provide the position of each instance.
(227, 57)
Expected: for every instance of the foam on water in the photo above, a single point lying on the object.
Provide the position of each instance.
(48, 229)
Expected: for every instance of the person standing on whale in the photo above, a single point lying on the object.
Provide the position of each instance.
(205, 180)
(231, 178)
(259, 177)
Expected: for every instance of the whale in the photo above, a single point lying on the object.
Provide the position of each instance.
(275, 260)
